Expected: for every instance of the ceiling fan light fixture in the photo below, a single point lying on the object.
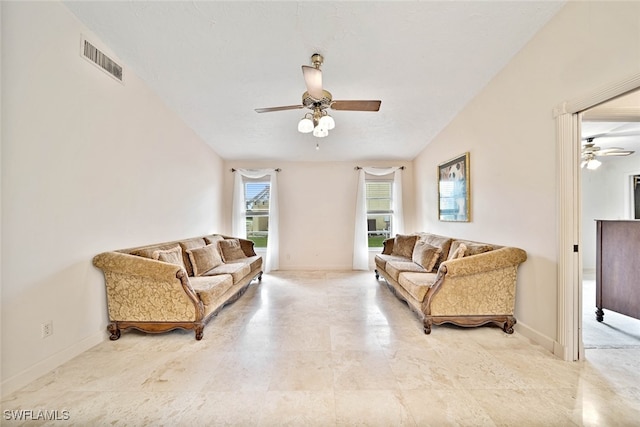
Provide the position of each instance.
(327, 122)
(593, 164)
(305, 125)
(320, 131)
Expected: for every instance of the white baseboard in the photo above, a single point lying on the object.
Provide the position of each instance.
(560, 351)
(45, 366)
(536, 337)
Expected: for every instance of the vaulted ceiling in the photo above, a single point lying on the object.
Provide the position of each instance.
(214, 62)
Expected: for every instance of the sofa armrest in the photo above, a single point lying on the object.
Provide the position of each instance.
(143, 289)
(487, 261)
(135, 265)
(479, 285)
(387, 246)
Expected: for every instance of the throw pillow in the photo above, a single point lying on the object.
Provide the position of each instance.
(477, 248)
(426, 255)
(147, 252)
(187, 244)
(472, 248)
(204, 259)
(213, 239)
(403, 245)
(231, 250)
(172, 256)
(443, 243)
(458, 250)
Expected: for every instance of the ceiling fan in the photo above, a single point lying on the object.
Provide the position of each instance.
(319, 100)
(590, 151)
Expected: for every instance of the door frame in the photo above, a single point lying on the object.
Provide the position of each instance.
(630, 199)
(568, 344)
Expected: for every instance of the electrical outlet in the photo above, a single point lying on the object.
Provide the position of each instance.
(47, 329)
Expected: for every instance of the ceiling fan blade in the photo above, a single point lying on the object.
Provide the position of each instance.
(612, 135)
(356, 105)
(271, 109)
(614, 152)
(313, 80)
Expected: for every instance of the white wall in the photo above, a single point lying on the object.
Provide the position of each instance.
(317, 210)
(509, 130)
(88, 165)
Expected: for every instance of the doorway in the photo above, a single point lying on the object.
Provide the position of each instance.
(569, 345)
(610, 136)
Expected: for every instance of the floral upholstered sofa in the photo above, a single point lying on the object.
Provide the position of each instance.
(448, 280)
(180, 284)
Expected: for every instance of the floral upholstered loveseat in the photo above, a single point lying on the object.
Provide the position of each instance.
(180, 284)
(448, 280)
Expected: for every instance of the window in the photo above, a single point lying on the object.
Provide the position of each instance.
(379, 211)
(257, 211)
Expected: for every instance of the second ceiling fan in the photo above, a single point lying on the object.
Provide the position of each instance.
(590, 151)
(318, 100)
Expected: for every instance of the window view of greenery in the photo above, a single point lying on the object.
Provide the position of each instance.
(379, 211)
(256, 196)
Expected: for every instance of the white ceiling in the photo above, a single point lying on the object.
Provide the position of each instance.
(213, 62)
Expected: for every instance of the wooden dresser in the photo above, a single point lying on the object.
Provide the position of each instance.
(618, 267)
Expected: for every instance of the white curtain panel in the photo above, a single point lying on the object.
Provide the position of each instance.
(238, 223)
(360, 240)
(360, 243)
(397, 225)
(238, 220)
(273, 242)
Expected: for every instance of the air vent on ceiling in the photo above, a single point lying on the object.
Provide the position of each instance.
(96, 57)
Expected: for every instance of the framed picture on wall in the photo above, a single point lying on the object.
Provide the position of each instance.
(454, 189)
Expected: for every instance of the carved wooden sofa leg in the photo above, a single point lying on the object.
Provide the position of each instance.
(508, 325)
(199, 332)
(427, 326)
(114, 331)
(260, 277)
(377, 274)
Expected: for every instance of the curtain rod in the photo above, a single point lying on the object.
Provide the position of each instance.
(277, 169)
(360, 167)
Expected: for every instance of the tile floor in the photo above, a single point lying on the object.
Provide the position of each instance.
(333, 348)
